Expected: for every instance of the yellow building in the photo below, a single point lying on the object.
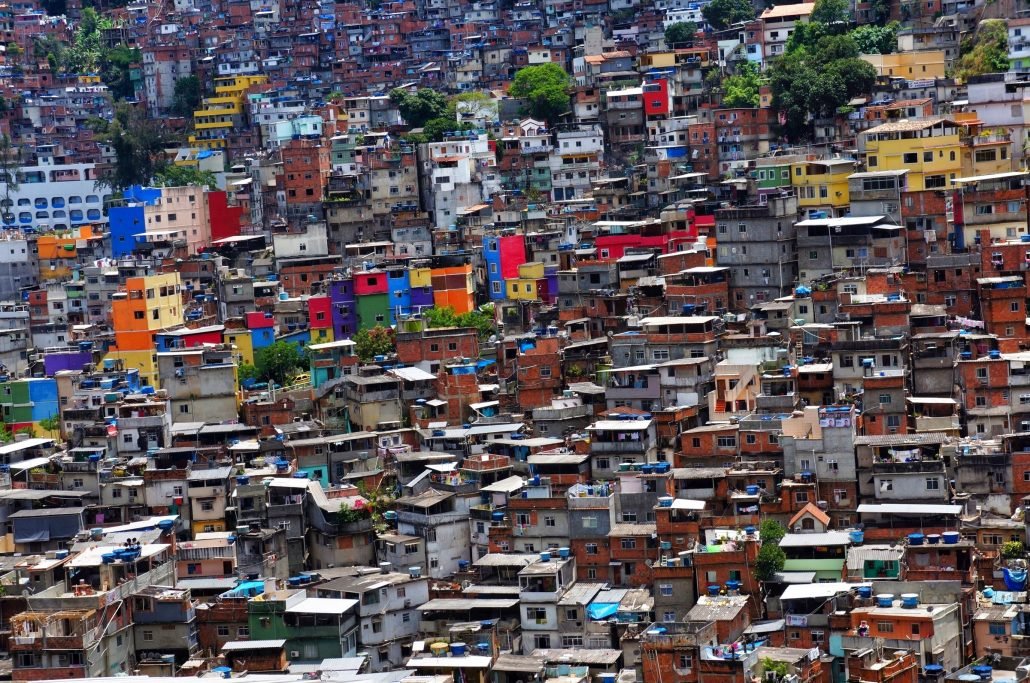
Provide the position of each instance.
(658, 60)
(321, 335)
(929, 149)
(913, 66)
(986, 149)
(214, 121)
(822, 184)
(243, 344)
(527, 286)
(147, 304)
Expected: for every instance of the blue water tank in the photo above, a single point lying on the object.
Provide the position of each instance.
(865, 592)
(752, 490)
(713, 590)
(856, 536)
(910, 600)
(951, 537)
(457, 649)
(885, 600)
(564, 553)
(915, 539)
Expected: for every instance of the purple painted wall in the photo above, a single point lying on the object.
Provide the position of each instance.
(73, 360)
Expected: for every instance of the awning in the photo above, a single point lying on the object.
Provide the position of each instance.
(29, 464)
(435, 402)
(602, 610)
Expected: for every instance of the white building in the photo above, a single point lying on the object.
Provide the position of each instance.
(52, 196)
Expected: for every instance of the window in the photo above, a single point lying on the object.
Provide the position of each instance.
(549, 521)
(726, 442)
(885, 399)
(591, 548)
(1014, 307)
(571, 641)
(223, 630)
(148, 636)
(994, 629)
(847, 361)
(537, 614)
(571, 614)
(665, 589)
(933, 484)
(628, 543)
(927, 157)
(885, 627)
(910, 158)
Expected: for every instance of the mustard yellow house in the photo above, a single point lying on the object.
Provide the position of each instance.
(822, 184)
(930, 149)
(218, 115)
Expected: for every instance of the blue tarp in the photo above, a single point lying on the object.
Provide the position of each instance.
(1015, 579)
(602, 610)
(484, 364)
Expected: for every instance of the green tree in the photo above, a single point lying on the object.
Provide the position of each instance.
(1013, 550)
(984, 51)
(369, 343)
(434, 130)
(186, 98)
(87, 48)
(741, 89)
(831, 12)
(247, 372)
(771, 531)
(279, 362)
(14, 53)
(770, 560)
(472, 105)
(680, 34)
(544, 89)
(138, 144)
(817, 81)
(481, 319)
(876, 40)
(181, 176)
(419, 107)
(51, 426)
(10, 162)
(721, 14)
(116, 68)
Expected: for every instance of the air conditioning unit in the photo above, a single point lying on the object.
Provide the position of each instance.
(294, 654)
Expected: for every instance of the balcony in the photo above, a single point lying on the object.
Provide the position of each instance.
(933, 424)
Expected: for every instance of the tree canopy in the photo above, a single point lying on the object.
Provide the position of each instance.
(831, 13)
(817, 75)
(873, 40)
(680, 34)
(984, 51)
(138, 143)
(721, 14)
(280, 362)
(481, 319)
(544, 88)
(741, 89)
(369, 343)
(421, 106)
(187, 96)
(771, 531)
(181, 176)
(770, 560)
